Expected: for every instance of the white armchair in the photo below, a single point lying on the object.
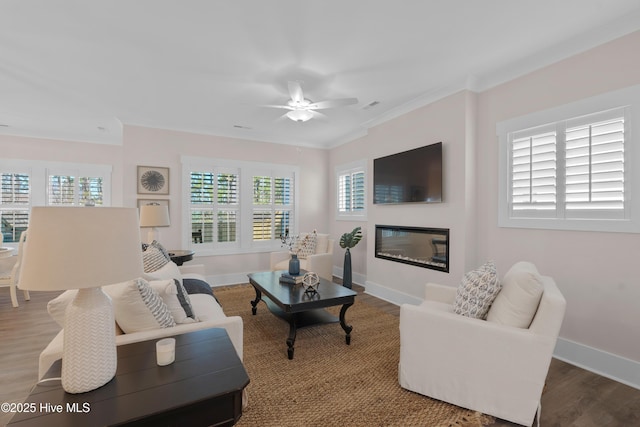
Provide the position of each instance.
(321, 262)
(478, 364)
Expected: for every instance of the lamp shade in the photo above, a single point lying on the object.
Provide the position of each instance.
(80, 247)
(154, 216)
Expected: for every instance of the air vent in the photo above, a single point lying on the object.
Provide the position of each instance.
(241, 127)
(371, 105)
(2, 125)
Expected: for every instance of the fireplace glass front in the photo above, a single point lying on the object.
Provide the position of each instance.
(423, 247)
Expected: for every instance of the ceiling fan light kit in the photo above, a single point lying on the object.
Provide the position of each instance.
(300, 115)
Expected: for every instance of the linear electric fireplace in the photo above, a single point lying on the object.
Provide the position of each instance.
(423, 247)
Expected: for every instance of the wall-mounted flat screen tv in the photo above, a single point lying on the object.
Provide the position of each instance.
(413, 176)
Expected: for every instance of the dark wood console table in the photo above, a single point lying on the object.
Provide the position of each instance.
(202, 387)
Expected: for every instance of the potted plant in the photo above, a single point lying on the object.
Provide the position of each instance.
(348, 241)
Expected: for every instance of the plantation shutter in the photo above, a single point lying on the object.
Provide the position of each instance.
(227, 213)
(358, 191)
(272, 206)
(15, 204)
(595, 163)
(533, 173)
(351, 192)
(214, 207)
(73, 190)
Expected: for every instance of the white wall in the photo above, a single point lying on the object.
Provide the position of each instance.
(450, 121)
(157, 147)
(596, 272)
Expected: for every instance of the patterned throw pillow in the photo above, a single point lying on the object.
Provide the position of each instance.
(138, 307)
(477, 291)
(153, 259)
(306, 246)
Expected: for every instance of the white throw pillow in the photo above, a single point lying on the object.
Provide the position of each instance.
(57, 307)
(477, 291)
(138, 307)
(170, 293)
(518, 301)
(169, 271)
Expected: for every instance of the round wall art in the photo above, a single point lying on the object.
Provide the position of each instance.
(153, 180)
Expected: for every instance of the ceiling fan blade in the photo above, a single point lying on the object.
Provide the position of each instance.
(295, 91)
(333, 103)
(283, 107)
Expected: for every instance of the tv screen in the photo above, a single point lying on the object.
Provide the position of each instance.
(413, 176)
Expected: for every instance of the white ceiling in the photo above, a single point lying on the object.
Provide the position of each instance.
(79, 70)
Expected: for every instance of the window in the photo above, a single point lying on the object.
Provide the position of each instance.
(69, 190)
(571, 172)
(37, 183)
(214, 206)
(238, 206)
(16, 202)
(351, 191)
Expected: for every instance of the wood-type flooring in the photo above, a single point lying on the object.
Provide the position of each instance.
(573, 397)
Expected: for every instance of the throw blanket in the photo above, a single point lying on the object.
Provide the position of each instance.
(196, 286)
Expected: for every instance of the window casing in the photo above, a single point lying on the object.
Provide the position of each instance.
(238, 206)
(351, 191)
(571, 167)
(40, 183)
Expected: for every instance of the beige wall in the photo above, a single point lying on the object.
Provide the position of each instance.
(595, 271)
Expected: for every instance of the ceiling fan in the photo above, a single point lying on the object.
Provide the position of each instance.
(302, 109)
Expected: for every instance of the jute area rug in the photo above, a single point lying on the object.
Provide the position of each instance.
(329, 383)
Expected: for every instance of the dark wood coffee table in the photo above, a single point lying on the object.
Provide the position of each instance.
(202, 387)
(300, 309)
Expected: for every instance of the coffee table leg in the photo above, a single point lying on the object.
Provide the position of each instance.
(347, 328)
(254, 303)
(292, 335)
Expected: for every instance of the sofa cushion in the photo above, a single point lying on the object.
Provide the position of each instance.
(322, 245)
(206, 308)
(176, 298)
(138, 307)
(517, 302)
(477, 291)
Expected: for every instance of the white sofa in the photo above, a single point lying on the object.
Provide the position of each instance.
(320, 262)
(482, 365)
(205, 307)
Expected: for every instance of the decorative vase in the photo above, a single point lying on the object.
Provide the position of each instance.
(294, 265)
(346, 271)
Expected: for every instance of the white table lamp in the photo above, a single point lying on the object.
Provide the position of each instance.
(154, 215)
(83, 248)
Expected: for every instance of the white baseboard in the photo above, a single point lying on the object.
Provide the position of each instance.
(390, 295)
(617, 368)
(357, 278)
(227, 279)
(608, 365)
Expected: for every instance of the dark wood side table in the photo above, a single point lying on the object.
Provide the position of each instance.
(202, 387)
(180, 256)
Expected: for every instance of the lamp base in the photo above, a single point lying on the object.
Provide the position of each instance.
(89, 357)
(151, 235)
